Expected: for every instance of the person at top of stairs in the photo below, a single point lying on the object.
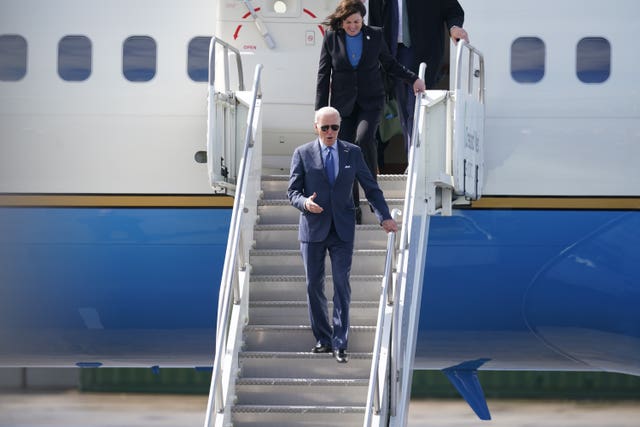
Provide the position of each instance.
(322, 175)
(350, 78)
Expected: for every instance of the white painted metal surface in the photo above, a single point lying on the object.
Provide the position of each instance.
(559, 136)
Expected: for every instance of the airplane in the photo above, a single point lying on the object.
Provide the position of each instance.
(112, 239)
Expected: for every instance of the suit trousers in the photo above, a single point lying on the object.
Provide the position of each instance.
(360, 128)
(336, 333)
(405, 96)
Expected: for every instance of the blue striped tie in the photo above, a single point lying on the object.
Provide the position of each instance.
(328, 166)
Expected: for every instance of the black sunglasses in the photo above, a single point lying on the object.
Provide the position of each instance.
(325, 128)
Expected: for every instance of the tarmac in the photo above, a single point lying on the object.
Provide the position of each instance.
(75, 409)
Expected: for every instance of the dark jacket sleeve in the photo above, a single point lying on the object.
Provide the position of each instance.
(391, 66)
(323, 83)
(295, 191)
(453, 14)
(372, 191)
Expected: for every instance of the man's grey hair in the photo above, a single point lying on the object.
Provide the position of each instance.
(326, 111)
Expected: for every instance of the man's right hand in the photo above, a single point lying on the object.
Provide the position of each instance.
(389, 225)
(458, 33)
(311, 206)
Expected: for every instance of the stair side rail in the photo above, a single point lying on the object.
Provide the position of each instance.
(431, 188)
(452, 128)
(377, 393)
(468, 123)
(412, 250)
(221, 112)
(233, 298)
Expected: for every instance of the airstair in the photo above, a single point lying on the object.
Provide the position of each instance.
(280, 382)
(264, 373)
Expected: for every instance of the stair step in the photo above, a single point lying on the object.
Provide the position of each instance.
(285, 236)
(294, 288)
(296, 416)
(255, 364)
(275, 186)
(270, 312)
(280, 211)
(289, 261)
(302, 391)
(300, 339)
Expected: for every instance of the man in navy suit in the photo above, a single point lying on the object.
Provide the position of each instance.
(320, 186)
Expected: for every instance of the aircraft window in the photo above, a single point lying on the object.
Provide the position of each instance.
(13, 57)
(139, 58)
(198, 59)
(527, 59)
(593, 60)
(74, 58)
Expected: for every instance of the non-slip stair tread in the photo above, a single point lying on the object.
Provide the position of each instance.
(353, 304)
(380, 177)
(295, 355)
(275, 202)
(392, 177)
(298, 409)
(296, 290)
(283, 201)
(275, 177)
(274, 252)
(301, 363)
(294, 328)
(299, 278)
(304, 381)
(278, 227)
(275, 227)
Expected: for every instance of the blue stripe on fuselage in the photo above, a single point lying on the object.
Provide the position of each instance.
(96, 279)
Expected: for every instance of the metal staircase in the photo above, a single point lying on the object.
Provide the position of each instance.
(264, 373)
(280, 382)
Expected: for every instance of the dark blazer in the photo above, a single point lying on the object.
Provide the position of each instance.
(308, 176)
(427, 20)
(342, 86)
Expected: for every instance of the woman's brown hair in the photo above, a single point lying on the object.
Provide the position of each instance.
(344, 9)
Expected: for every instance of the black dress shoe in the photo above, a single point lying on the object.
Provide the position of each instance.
(341, 355)
(321, 348)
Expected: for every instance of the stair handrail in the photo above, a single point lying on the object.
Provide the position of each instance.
(387, 293)
(471, 73)
(212, 62)
(403, 245)
(213, 98)
(234, 262)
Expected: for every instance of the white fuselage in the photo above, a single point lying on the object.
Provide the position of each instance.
(107, 135)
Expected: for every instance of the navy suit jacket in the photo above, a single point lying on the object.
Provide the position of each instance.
(341, 86)
(308, 176)
(427, 20)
